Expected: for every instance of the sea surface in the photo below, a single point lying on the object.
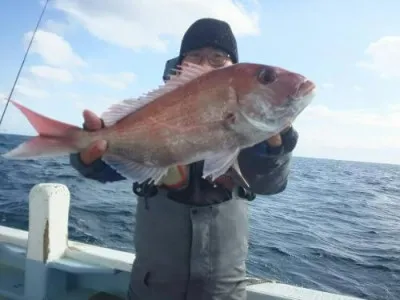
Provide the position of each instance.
(335, 228)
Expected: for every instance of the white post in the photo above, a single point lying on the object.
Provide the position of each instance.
(48, 234)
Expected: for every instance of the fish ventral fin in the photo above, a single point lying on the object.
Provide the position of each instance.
(185, 73)
(219, 163)
(133, 170)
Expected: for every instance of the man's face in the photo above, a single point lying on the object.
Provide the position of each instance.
(208, 56)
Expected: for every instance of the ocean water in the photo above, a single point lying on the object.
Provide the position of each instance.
(335, 228)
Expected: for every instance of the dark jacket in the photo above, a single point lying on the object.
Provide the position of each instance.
(265, 168)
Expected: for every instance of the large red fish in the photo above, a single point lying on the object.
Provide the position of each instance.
(199, 114)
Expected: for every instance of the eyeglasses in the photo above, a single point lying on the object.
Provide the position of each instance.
(215, 58)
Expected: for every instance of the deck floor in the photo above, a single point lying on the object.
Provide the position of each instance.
(11, 281)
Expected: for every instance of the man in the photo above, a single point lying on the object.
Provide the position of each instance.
(191, 236)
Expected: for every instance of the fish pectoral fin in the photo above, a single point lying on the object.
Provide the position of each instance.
(133, 170)
(218, 164)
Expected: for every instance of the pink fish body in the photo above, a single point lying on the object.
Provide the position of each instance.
(200, 114)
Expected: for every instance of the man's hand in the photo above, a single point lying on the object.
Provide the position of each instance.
(276, 140)
(97, 148)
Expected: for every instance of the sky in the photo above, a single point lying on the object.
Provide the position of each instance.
(89, 54)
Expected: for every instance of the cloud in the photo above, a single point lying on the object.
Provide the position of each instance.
(327, 85)
(97, 104)
(60, 62)
(384, 57)
(140, 24)
(56, 26)
(29, 88)
(117, 81)
(3, 98)
(52, 73)
(355, 117)
(54, 49)
(324, 130)
(395, 107)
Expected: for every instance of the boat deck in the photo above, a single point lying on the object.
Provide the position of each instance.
(44, 264)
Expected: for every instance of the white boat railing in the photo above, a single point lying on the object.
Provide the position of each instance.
(47, 241)
(44, 264)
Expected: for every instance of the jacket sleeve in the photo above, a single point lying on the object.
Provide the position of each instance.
(98, 170)
(266, 168)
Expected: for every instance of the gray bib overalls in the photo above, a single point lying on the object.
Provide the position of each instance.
(190, 249)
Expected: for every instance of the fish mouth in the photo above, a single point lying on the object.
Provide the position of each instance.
(305, 88)
(303, 96)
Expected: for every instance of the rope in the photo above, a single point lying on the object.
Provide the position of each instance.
(23, 61)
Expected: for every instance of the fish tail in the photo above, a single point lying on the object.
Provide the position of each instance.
(54, 138)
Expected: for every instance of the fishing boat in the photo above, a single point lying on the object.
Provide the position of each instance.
(42, 263)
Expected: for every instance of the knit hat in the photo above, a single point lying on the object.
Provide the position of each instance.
(208, 32)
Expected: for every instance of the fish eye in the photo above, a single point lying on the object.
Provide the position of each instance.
(267, 75)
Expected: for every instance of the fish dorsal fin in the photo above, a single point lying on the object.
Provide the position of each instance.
(184, 73)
